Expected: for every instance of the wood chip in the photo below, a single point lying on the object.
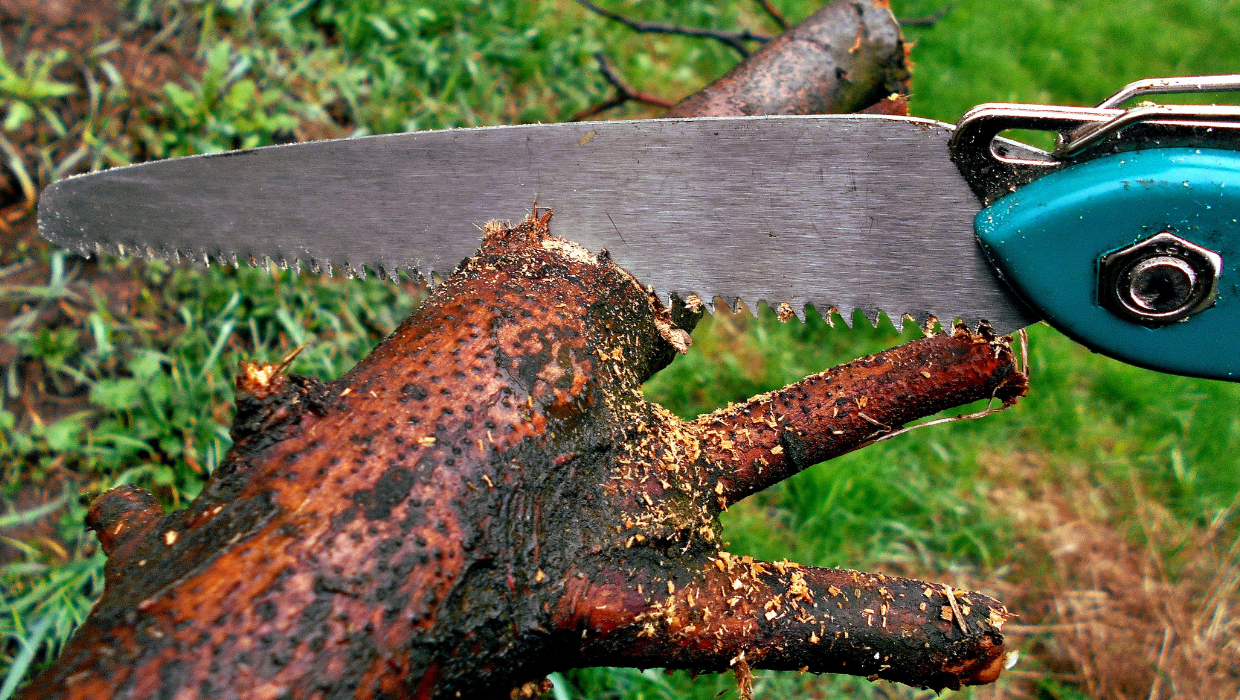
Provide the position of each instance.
(951, 598)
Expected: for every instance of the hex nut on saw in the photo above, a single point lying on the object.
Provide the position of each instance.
(1161, 280)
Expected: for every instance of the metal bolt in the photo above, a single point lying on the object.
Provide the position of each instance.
(1161, 284)
(1160, 280)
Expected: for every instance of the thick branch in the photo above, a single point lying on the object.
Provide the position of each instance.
(776, 435)
(424, 522)
(487, 497)
(788, 617)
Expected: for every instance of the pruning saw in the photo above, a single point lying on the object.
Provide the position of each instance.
(1125, 236)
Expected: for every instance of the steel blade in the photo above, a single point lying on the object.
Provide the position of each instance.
(843, 211)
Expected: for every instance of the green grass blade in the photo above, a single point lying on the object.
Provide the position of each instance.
(216, 348)
(32, 514)
(30, 644)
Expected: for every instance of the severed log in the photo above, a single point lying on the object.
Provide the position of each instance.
(846, 57)
(849, 56)
(487, 498)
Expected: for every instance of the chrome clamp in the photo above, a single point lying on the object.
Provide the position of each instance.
(995, 166)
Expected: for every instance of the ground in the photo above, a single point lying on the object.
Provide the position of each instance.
(1100, 508)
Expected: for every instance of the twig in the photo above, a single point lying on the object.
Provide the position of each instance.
(927, 21)
(1022, 368)
(736, 40)
(956, 611)
(775, 14)
(988, 411)
(288, 359)
(624, 93)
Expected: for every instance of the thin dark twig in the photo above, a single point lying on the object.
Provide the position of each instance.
(736, 40)
(927, 21)
(775, 14)
(624, 92)
(612, 75)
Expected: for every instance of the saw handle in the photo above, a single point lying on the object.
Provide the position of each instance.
(1126, 237)
(1135, 255)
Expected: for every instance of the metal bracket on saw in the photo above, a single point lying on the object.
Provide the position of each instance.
(995, 167)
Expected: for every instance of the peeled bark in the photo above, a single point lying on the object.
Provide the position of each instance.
(487, 498)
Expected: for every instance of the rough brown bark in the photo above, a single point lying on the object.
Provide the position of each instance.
(487, 498)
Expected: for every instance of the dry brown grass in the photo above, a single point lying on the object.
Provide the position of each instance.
(1122, 600)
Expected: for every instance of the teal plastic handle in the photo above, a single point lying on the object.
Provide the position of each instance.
(1046, 240)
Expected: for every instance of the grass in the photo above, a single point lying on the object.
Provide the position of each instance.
(121, 372)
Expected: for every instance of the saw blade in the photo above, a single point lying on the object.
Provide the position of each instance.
(845, 212)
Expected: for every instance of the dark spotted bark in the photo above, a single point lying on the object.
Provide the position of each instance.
(487, 498)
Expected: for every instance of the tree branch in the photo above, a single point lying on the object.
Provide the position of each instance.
(488, 497)
(761, 442)
(735, 40)
(624, 92)
(844, 57)
(775, 14)
(927, 21)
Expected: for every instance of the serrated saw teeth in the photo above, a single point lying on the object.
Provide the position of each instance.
(785, 310)
(389, 271)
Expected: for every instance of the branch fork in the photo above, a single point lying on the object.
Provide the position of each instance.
(487, 497)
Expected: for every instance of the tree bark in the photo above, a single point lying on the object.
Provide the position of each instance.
(487, 498)
(846, 57)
